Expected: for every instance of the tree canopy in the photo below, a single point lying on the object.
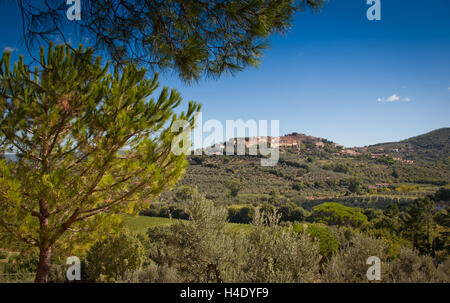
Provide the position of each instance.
(193, 38)
(332, 213)
(89, 144)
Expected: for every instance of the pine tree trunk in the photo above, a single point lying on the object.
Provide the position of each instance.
(44, 265)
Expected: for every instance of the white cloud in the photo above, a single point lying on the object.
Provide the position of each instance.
(10, 49)
(394, 98)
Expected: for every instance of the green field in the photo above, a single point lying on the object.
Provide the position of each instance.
(141, 224)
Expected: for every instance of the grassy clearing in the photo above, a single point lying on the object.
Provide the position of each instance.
(141, 224)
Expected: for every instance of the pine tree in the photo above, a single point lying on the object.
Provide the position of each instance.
(90, 145)
(192, 38)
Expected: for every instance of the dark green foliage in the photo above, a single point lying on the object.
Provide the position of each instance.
(354, 185)
(420, 226)
(194, 38)
(277, 254)
(385, 160)
(292, 213)
(241, 215)
(395, 174)
(234, 186)
(109, 260)
(443, 194)
(341, 168)
(184, 193)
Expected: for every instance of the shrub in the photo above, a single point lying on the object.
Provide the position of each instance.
(234, 186)
(200, 250)
(410, 267)
(327, 167)
(297, 186)
(443, 194)
(354, 185)
(328, 243)
(108, 260)
(332, 213)
(349, 263)
(241, 215)
(246, 214)
(184, 193)
(3, 254)
(407, 188)
(22, 266)
(341, 168)
(203, 250)
(292, 213)
(275, 254)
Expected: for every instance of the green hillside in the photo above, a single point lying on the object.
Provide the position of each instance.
(431, 146)
(305, 176)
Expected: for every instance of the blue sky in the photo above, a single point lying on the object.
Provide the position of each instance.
(327, 76)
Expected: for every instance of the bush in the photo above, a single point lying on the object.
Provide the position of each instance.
(22, 267)
(277, 255)
(328, 243)
(234, 186)
(297, 186)
(349, 263)
(200, 250)
(332, 213)
(410, 267)
(354, 185)
(184, 193)
(292, 213)
(407, 188)
(341, 168)
(203, 250)
(108, 260)
(443, 194)
(242, 215)
(3, 254)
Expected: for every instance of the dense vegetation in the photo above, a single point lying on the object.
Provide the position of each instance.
(83, 145)
(324, 201)
(310, 175)
(205, 249)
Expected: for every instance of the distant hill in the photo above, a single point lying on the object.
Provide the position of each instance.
(430, 146)
(313, 169)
